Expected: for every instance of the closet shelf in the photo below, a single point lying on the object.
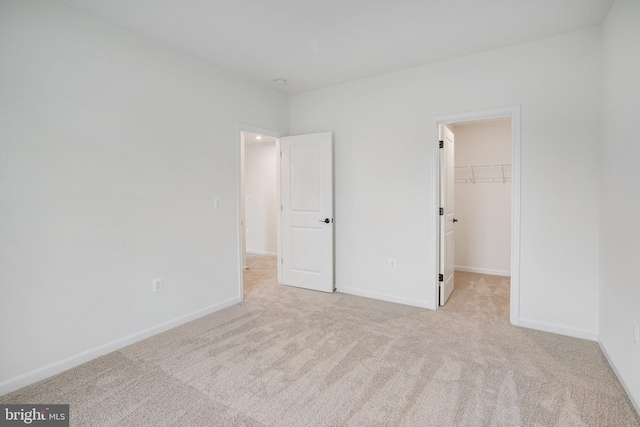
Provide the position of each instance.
(483, 173)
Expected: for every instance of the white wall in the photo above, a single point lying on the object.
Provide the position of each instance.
(382, 172)
(261, 198)
(483, 209)
(112, 150)
(620, 201)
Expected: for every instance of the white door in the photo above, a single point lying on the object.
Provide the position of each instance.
(306, 180)
(447, 169)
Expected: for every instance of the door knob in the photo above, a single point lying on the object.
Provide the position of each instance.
(455, 219)
(326, 220)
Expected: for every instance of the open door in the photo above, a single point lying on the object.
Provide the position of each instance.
(447, 220)
(306, 180)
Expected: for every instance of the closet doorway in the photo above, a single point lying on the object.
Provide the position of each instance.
(482, 178)
(486, 214)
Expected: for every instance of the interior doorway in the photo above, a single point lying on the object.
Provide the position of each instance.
(258, 196)
(304, 208)
(484, 171)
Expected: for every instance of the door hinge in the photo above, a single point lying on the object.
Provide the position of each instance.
(280, 153)
(280, 207)
(440, 277)
(441, 211)
(441, 144)
(281, 260)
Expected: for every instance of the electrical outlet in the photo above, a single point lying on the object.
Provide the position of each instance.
(636, 333)
(392, 263)
(156, 284)
(217, 203)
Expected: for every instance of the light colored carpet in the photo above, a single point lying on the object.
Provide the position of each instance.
(290, 357)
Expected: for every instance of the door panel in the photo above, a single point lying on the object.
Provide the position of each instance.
(306, 178)
(308, 242)
(307, 201)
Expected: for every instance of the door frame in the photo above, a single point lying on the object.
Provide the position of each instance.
(241, 195)
(514, 113)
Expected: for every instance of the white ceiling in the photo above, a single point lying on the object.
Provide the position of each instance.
(318, 43)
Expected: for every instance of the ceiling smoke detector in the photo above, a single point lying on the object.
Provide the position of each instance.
(280, 82)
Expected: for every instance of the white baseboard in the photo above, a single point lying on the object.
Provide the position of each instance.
(558, 329)
(251, 251)
(47, 371)
(385, 297)
(483, 271)
(615, 370)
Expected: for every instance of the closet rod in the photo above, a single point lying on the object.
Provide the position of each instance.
(483, 173)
